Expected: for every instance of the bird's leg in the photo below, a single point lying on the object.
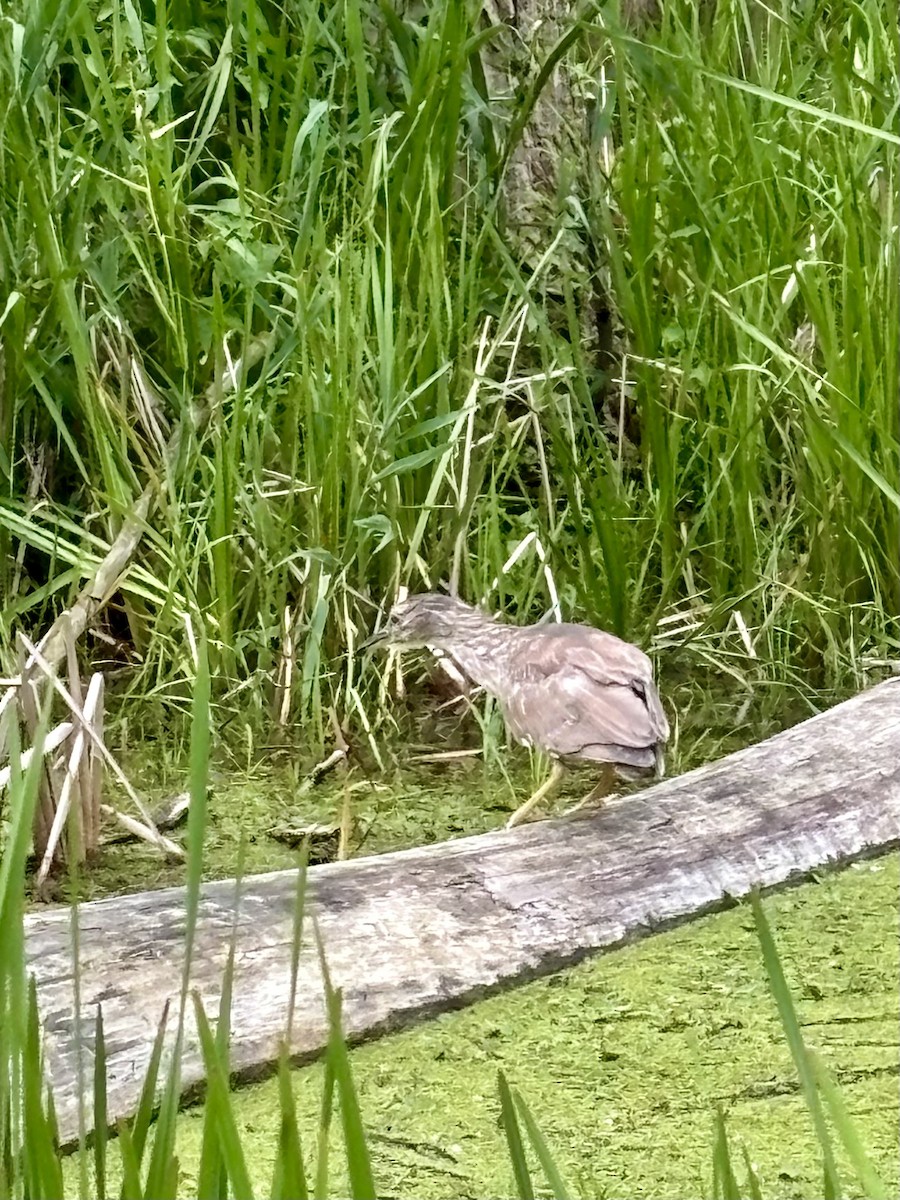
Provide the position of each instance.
(599, 792)
(543, 791)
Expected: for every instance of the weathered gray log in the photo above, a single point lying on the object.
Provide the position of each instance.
(415, 932)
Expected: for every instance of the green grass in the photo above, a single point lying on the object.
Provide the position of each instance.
(257, 260)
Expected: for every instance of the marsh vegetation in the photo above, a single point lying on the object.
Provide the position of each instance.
(257, 275)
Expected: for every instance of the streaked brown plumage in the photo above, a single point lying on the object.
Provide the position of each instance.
(573, 691)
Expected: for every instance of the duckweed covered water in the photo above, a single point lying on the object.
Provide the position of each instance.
(623, 1060)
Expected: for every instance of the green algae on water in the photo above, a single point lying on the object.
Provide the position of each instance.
(624, 1059)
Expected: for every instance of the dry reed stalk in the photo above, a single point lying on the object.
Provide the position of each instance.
(75, 847)
(48, 787)
(285, 669)
(93, 774)
(343, 850)
(149, 828)
(149, 833)
(73, 792)
(67, 792)
(59, 643)
(55, 737)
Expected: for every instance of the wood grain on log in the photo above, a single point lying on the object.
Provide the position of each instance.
(418, 931)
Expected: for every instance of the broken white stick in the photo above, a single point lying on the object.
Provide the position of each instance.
(143, 831)
(55, 737)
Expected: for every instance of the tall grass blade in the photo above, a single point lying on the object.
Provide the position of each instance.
(219, 1110)
(99, 1106)
(212, 1176)
(130, 1162)
(869, 1180)
(159, 1170)
(28, 1129)
(42, 1164)
(725, 1184)
(515, 1145)
(296, 939)
(323, 1134)
(289, 1179)
(791, 1025)
(162, 1153)
(359, 1166)
(140, 1126)
(753, 1185)
(542, 1150)
(197, 809)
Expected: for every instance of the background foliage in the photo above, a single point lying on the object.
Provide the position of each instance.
(255, 257)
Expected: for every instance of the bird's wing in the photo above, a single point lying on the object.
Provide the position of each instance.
(608, 660)
(584, 687)
(572, 716)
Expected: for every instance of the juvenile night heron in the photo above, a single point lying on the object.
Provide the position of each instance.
(570, 690)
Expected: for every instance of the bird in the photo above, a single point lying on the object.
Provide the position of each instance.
(573, 691)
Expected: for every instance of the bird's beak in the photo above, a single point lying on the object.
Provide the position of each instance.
(377, 639)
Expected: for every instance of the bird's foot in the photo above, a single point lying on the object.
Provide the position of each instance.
(519, 816)
(591, 801)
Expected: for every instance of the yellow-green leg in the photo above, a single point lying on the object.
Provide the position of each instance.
(549, 785)
(598, 793)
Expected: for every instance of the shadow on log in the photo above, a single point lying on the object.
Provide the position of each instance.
(416, 932)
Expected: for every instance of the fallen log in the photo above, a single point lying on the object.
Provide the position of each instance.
(415, 932)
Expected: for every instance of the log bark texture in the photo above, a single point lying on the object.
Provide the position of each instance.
(419, 931)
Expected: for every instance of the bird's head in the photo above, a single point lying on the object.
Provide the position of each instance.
(429, 619)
